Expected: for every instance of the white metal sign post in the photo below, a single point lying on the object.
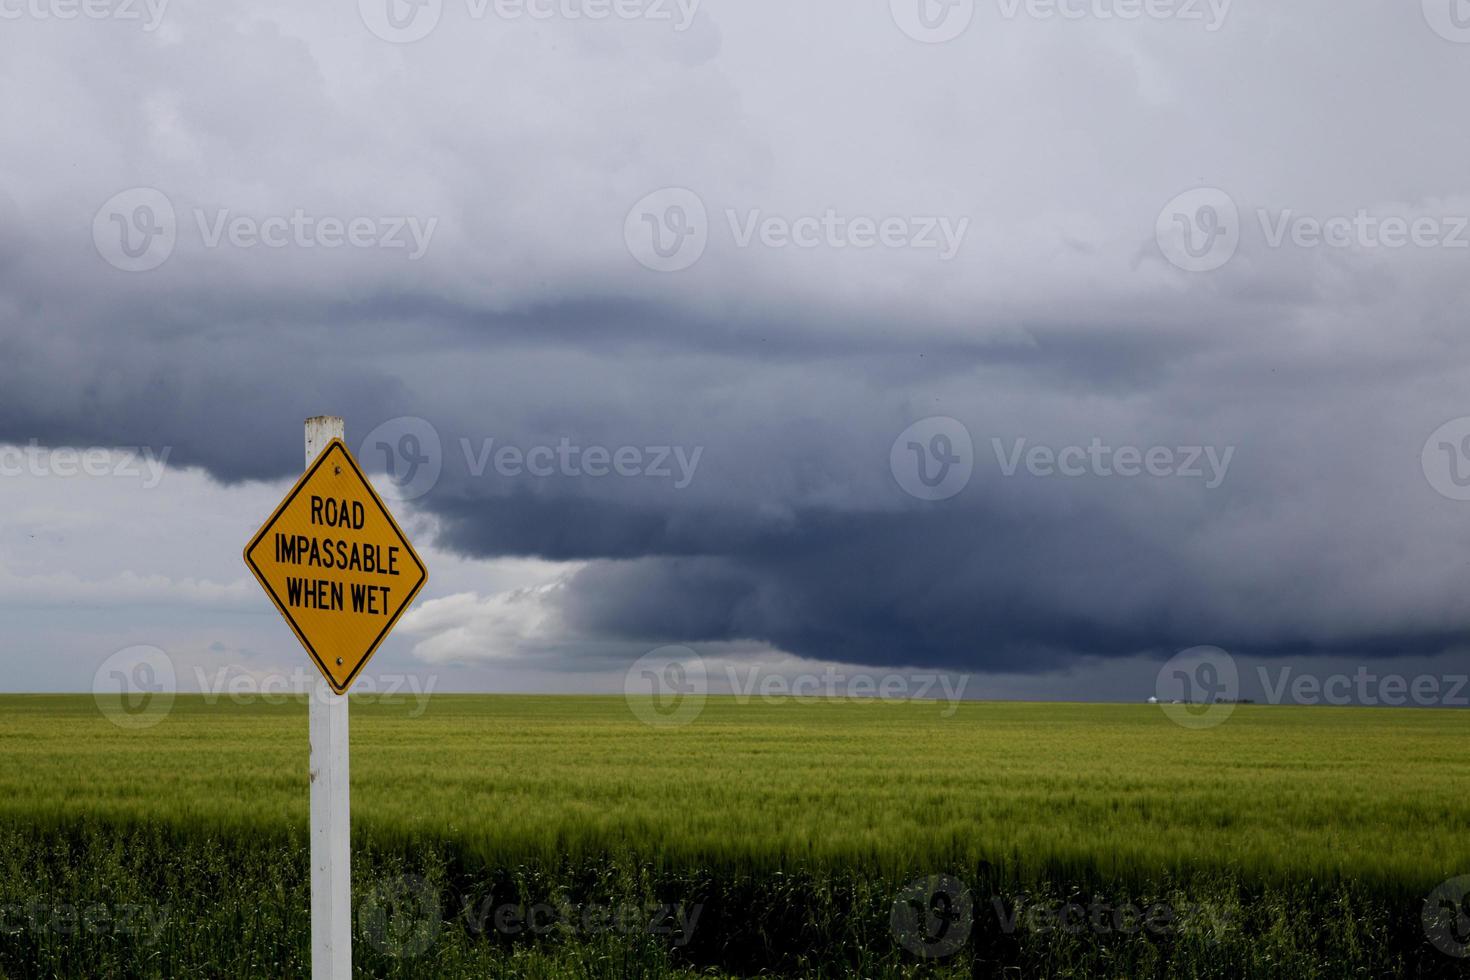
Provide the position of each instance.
(341, 571)
(331, 798)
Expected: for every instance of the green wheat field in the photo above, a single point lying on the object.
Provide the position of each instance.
(561, 836)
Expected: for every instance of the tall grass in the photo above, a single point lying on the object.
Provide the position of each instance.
(1313, 834)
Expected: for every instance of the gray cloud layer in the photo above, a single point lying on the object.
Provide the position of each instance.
(528, 321)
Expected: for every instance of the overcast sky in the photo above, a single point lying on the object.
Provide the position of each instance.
(1025, 341)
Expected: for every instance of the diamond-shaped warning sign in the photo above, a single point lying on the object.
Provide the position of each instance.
(336, 565)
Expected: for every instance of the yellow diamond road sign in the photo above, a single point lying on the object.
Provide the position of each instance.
(336, 565)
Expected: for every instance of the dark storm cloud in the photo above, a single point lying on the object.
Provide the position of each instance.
(528, 320)
(793, 530)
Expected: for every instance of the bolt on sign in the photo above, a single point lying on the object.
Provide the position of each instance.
(337, 565)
